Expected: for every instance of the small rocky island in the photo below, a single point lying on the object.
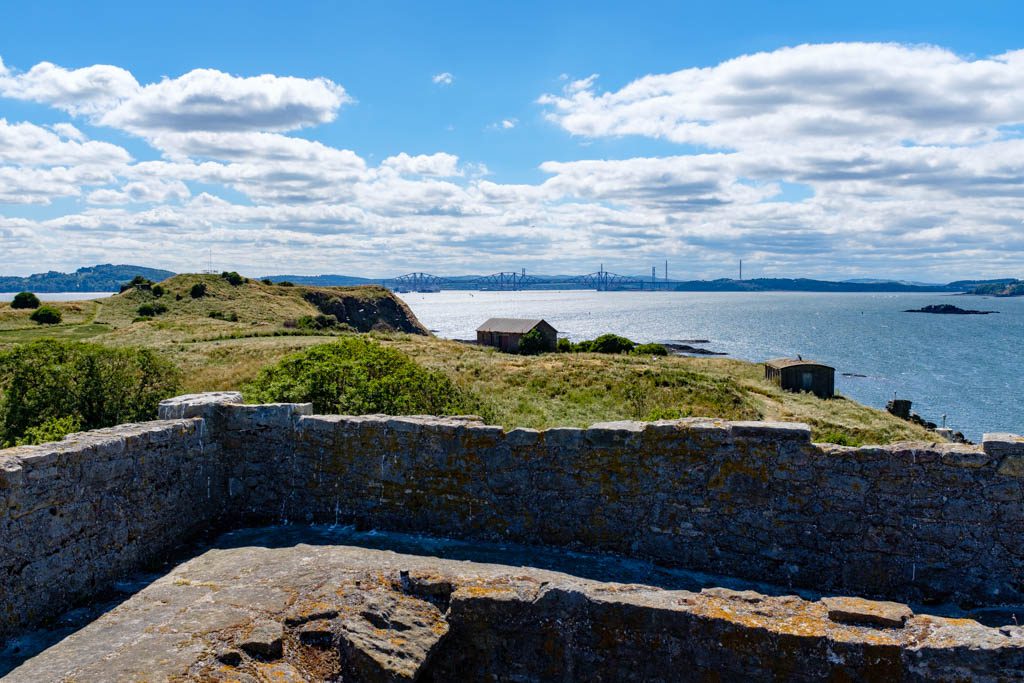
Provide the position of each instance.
(947, 309)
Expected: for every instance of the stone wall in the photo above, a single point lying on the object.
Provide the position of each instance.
(77, 515)
(754, 500)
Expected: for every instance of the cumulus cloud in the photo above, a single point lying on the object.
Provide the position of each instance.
(90, 90)
(809, 93)
(443, 78)
(440, 164)
(213, 101)
(907, 159)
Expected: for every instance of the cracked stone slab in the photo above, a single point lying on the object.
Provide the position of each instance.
(346, 612)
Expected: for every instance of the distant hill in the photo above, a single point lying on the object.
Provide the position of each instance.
(102, 278)
(322, 280)
(806, 285)
(1007, 288)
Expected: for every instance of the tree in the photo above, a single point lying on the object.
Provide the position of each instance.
(612, 343)
(25, 300)
(532, 343)
(46, 315)
(233, 278)
(50, 385)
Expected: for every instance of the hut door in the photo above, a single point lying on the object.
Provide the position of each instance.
(806, 381)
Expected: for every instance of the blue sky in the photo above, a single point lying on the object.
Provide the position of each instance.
(517, 159)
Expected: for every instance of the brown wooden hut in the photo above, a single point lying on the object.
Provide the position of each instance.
(797, 374)
(505, 333)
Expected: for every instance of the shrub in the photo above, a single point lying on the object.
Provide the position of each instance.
(650, 350)
(564, 346)
(54, 429)
(285, 283)
(612, 343)
(25, 300)
(532, 343)
(149, 310)
(583, 346)
(317, 322)
(45, 383)
(137, 282)
(356, 376)
(198, 290)
(231, 317)
(267, 281)
(158, 291)
(178, 297)
(233, 278)
(46, 315)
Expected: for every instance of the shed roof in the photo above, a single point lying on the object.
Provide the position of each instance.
(780, 363)
(510, 325)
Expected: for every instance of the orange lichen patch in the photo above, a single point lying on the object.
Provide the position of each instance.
(792, 618)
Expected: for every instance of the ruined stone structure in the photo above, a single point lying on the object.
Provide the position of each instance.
(926, 524)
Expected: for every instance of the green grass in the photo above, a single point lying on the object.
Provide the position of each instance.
(530, 391)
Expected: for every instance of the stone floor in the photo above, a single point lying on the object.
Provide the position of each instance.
(329, 603)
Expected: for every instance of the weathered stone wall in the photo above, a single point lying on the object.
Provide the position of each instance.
(753, 500)
(77, 515)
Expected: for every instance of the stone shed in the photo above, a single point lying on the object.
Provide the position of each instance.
(797, 374)
(505, 333)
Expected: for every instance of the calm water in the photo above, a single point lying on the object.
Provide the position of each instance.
(967, 367)
(61, 296)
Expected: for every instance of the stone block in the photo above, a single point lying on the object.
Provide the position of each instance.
(196, 405)
(860, 612)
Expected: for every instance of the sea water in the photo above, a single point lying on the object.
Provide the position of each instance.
(967, 367)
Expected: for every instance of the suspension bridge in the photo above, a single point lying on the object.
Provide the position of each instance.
(601, 281)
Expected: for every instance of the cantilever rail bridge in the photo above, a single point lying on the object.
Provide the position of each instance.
(602, 281)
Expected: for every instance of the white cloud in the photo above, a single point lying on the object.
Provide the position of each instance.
(91, 90)
(137, 192)
(31, 145)
(440, 164)
(213, 101)
(809, 94)
(443, 78)
(905, 158)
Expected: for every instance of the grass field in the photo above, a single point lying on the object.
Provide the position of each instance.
(531, 391)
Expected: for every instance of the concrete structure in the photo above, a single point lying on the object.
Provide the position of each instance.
(797, 374)
(936, 524)
(505, 333)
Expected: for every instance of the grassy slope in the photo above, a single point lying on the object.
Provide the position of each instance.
(541, 391)
(579, 389)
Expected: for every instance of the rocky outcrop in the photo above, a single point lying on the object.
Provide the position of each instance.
(947, 309)
(337, 612)
(366, 308)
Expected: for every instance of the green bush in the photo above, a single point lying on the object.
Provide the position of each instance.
(285, 283)
(564, 346)
(317, 322)
(650, 350)
(532, 343)
(357, 376)
(198, 290)
(51, 385)
(233, 278)
(54, 429)
(612, 343)
(137, 282)
(149, 310)
(231, 317)
(267, 281)
(46, 315)
(25, 300)
(158, 291)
